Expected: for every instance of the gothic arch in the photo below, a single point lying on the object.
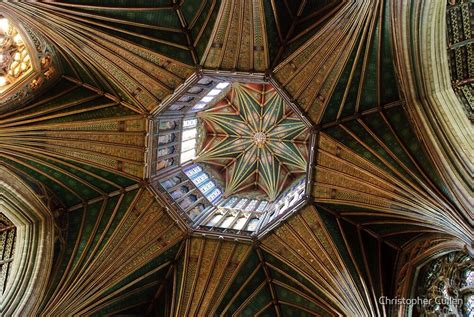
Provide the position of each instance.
(33, 257)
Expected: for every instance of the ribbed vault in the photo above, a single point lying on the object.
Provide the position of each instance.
(380, 198)
(255, 140)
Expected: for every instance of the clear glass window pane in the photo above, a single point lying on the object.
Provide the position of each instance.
(227, 222)
(188, 145)
(189, 134)
(206, 99)
(251, 206)
(222, 85)
(214, 195)
(190, 123)
(188, 155)
(214, 92)
(252, 226)
(230, 202)
(199, 106)
(241, 203)
(262, 206)
(240, 223)
(214, 220)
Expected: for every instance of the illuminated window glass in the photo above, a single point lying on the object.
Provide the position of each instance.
(199, 106)
(240, 223)
(222, 85)
(190, 123)
(193, 171)
(251, 206)
(241, 203)
(214, 92)
(189, 134)
(15, 60)
(262, 206)
(252, 226)
(188, 140)
(230, 202)
(188, 145)
(227, 221)
(199, 179)
(206, 187)
(215, 220)
(187, 156)
(214, 195)
(210, 96)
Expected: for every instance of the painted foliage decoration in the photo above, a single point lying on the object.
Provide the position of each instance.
(255, 140)
(253, 157)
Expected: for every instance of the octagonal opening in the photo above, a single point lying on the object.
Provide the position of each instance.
(231, 153)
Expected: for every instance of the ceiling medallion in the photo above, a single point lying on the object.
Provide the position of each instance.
(259, 138)
(231, 153)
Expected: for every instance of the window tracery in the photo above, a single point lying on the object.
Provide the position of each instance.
(7, 249)
(447, 284)
(15, 60)
(460, 37)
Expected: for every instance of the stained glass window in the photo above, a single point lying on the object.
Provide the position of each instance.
(15, 61)
(7, 249)
(447, 283)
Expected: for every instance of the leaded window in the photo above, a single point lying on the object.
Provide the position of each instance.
(7, 251)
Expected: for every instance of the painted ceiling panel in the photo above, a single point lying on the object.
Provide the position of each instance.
(310, 74)
(343, 175)
(77, 133)
(162, 27)
(262, 141)
(239, 39)
(305, 243)
(291, 23)
(150, 278)
(98, 58)
(144, 232)
(209, 266)
(83, 147)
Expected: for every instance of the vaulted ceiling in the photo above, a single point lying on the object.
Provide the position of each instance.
(83, 146)
(255, 140)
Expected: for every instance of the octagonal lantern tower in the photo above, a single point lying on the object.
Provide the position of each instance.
(231, 153)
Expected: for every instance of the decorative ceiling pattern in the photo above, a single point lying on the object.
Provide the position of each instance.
(133, 229)
(377, 198)
(151, 39)
(344, 69)
(379, 172)
(254, 139)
